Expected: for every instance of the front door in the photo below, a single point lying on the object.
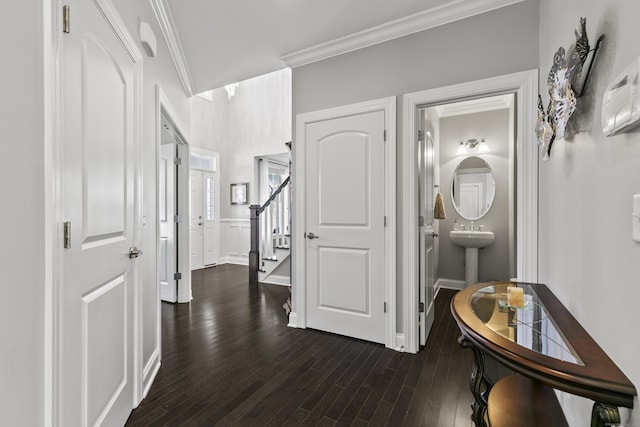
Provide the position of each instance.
(196, 221)
(99, 267)
(345, 239)
(427, 227)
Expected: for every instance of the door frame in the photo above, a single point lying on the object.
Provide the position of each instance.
(164, 108)
(525, 85)
(298, 318)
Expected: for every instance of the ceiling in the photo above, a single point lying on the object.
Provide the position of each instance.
(217, 42)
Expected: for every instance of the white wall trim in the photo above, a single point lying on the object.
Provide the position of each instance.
(298, 279)
(443, 283)
(170, 34)
(293, 320)
(150, 371)
(424, 20)
(525, 85)
(234, 259)
(277, 280)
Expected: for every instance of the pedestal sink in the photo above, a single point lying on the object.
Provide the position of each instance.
(472, 241)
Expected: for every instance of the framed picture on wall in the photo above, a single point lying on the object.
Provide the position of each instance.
(239, 192)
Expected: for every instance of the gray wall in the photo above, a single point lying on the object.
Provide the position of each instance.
(586, 253)
(255, 122)
(492, 44)
(22, 192)
(494, 259)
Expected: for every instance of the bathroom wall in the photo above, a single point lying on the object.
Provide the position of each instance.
(494, 259)
(491, 44)
(586, 253)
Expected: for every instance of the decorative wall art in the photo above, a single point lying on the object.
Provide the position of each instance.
(562, 83)
(239, 192)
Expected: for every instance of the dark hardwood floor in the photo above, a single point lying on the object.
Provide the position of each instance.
(228, 358)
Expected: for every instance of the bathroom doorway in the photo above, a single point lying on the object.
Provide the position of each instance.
(513, 192)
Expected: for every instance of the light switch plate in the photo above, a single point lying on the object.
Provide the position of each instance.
(635, 219)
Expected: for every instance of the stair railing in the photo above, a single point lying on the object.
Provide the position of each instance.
(269, 228)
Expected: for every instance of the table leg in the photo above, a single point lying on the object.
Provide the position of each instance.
(604, 415)
(479, 383)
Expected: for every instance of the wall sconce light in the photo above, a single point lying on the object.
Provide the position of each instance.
(471, 144)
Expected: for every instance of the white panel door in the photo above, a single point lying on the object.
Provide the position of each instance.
(345, 225)
(427, 231)
(168, 247)
(98, 279)
(196, 221)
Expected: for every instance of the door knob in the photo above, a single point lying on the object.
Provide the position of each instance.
(134, 252)
(311, 236)
(434, 234)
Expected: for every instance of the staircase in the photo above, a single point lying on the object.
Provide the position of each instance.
(270, 238)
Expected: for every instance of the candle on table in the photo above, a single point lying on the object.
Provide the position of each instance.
(515, 296)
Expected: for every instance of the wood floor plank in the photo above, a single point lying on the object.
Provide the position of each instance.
(228, 358)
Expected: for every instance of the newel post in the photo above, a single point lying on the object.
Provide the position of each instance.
(254, 254)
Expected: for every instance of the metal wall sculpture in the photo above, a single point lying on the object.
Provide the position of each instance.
(562, 81)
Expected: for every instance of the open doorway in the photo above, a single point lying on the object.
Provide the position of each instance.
(522, 204)
(174, 278)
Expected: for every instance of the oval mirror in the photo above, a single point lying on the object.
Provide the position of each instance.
(473, 188)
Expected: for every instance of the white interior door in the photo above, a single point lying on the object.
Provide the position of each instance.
(196, 221)
(427, 229)
(99, 279)
(168, 247)
(345, 208)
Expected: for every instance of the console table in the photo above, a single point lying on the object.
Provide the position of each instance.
(541, 340)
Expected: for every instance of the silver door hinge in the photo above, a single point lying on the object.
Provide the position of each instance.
(177, 219)
(421, 307)
(420, 135)
(67, 235)
(385, 220)
(177, 161)
(177, 276)
(385, 306)
(421, 221)
(385, 134)
(65, 19)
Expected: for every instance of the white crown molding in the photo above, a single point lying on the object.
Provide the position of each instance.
(424, 20)
(472, 106)
(170, 34)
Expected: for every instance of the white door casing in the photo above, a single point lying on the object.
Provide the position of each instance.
(168, 226)
(344, 191)
(525, 86)
(96, 371)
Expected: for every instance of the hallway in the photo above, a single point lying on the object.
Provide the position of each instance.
(229, 359)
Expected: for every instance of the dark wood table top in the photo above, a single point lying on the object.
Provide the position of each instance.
(591, 373)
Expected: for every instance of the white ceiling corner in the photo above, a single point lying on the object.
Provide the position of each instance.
(170, 34)
(420, 21)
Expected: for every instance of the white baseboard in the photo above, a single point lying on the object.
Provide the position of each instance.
(457, 285)
(235, 259)
(400, 343)
(293, 320)
(150, 371)
(277, 280)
